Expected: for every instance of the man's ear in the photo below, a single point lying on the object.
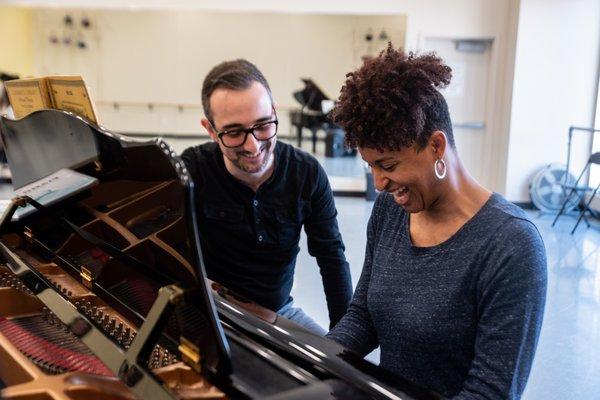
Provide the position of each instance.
(208, 127)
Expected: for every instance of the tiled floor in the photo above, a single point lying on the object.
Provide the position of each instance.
(567, 363)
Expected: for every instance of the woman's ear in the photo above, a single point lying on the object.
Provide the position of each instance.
(438, 142)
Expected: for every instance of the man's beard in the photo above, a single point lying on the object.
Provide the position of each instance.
(254, 169)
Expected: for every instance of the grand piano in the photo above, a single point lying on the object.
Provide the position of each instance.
(310, 115)
(103, 294)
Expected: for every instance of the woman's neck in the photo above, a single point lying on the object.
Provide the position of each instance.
(459, 200)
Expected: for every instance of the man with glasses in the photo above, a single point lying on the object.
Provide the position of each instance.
(253, 196)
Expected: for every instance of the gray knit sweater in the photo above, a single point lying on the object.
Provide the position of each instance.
(461, 318)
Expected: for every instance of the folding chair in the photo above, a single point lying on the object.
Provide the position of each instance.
(580, 192)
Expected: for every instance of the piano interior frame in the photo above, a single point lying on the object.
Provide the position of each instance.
(58, 291)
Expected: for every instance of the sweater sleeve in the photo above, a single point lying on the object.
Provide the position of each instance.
(356, 331)
(512, 291)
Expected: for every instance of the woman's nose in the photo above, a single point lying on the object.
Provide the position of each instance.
(379, 180)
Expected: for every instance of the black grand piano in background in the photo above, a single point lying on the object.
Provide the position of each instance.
(103, 293)
(310, 115)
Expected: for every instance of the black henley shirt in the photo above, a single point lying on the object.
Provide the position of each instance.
(250, 239)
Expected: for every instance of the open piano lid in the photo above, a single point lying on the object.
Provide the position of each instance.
(311, 96)
(145, 196)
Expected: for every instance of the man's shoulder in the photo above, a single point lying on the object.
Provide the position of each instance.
(200, 153)
(295, 155)
(298, 166)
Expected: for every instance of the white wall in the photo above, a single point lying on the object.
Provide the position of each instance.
(554, 86)
(161, 57)
(470, 19)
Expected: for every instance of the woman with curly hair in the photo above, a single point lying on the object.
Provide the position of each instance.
(454, 278)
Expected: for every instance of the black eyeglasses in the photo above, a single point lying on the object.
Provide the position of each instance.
(237, 137)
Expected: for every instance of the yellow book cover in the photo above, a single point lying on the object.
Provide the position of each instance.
(70, 93)
(28, 95)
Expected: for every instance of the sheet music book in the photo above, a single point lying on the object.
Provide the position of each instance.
(68, 93)
(53, 188)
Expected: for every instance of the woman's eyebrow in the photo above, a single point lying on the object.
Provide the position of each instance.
(383, 160)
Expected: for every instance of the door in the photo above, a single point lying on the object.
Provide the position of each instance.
(467, 97)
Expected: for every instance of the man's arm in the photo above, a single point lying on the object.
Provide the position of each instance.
(510, 308)
(325, 243)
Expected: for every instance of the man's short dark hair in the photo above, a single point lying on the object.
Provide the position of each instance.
(392, 101)
(237, 75)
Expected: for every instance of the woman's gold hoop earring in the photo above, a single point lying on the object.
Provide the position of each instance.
(438, 165)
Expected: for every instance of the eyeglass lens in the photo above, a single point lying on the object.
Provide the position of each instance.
(238, 137)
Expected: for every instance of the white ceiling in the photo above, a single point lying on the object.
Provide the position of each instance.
(304, 6)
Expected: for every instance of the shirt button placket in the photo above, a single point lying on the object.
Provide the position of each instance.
(260, 236)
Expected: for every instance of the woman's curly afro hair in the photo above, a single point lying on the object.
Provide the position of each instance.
(392, 101)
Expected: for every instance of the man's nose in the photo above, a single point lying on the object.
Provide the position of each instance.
(251, 145)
